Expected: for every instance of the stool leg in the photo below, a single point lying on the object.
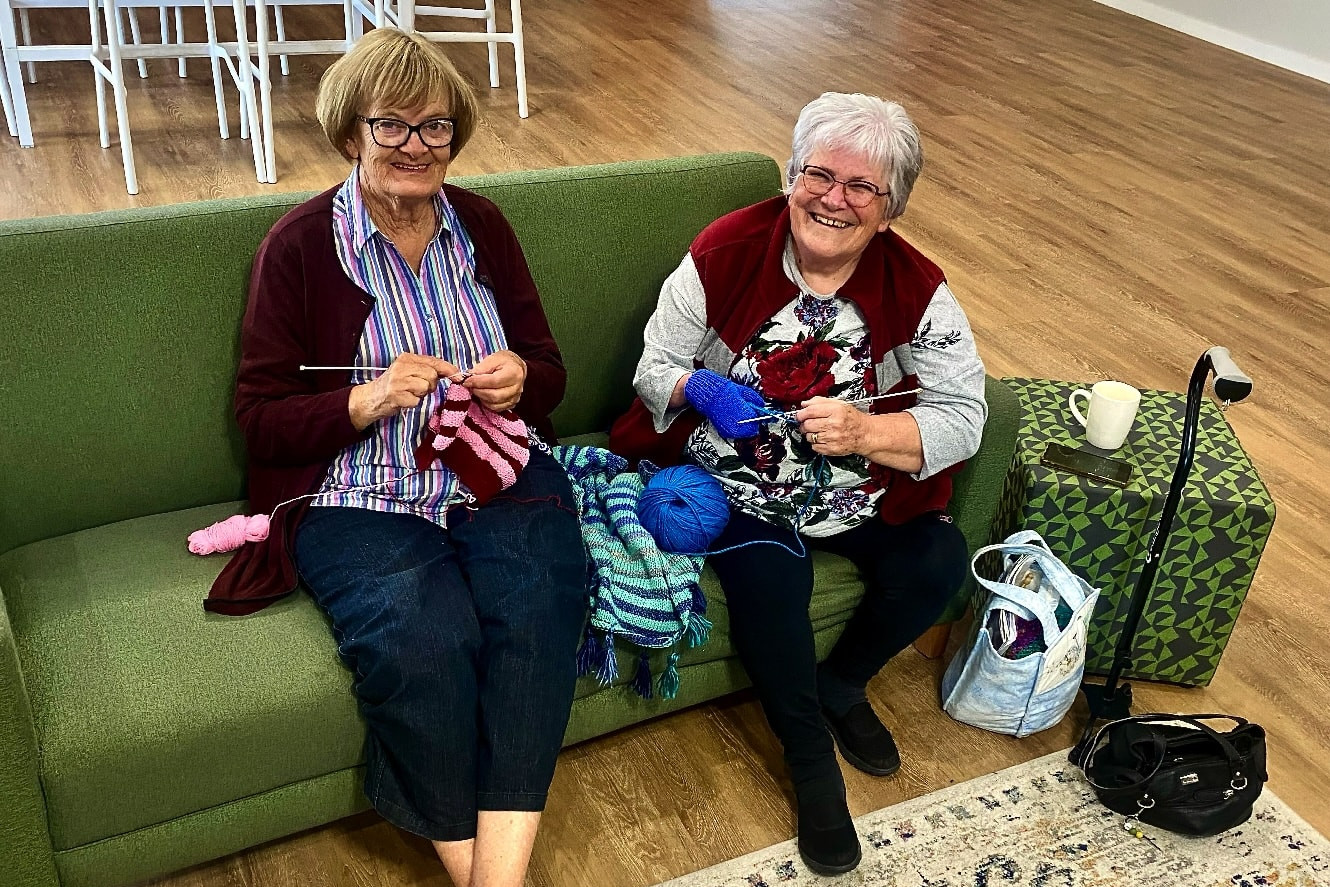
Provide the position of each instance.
(117, 73)
(210, 21)
(137, 36)
(355, 23)
(13, 75)
(519, 57)
(491, 27)
(163, 26)
(164, 22)
(5, 99)
(26, 27)
(265, 94)
(180, 38)
(249, 120)
(99, 82)
(279, 21)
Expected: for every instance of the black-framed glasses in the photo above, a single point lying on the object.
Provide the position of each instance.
(858, 193)
(389, 132)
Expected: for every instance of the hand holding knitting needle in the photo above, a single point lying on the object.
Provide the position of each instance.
(401, 387)
(497, 380)
(834, 427)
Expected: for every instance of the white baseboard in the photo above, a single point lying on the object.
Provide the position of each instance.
(1212, 33)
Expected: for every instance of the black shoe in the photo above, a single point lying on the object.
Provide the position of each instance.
(863, 741)
(828, 843)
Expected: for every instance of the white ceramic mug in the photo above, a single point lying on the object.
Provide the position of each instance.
(1109, 415)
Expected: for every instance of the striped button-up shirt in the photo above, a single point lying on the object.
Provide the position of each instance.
(445, 312)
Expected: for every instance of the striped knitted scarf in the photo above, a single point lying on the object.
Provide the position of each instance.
(640, 594)
(484, 449)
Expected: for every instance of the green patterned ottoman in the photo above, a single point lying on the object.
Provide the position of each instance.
(1223, 521)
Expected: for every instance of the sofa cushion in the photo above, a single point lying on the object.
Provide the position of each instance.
(148, 708)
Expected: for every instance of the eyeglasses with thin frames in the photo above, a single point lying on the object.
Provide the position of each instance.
(389, 132)
(858, 193)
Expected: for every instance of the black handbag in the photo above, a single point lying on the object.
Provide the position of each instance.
(1177, 773)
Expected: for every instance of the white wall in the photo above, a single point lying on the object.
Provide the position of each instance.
(1293, 34)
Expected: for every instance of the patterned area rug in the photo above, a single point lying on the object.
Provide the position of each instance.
(1039, 824)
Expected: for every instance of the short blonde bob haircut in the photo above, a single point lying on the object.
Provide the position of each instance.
(393, 69)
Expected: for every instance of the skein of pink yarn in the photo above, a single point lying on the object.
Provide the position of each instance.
(230, 534)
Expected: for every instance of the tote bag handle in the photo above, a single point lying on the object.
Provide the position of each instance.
(1026, 603)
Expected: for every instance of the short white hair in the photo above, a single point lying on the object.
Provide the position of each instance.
(878, 130)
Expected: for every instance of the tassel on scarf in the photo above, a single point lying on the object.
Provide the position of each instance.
(589, 653)
(699, 629)
(608, 672)
(699, 599)
(642, 680)
(669, 678)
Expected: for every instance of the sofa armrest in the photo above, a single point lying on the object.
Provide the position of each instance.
(28, 859)
(977, 491)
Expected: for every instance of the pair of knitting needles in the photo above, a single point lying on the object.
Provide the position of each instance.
(863, 401)
(466, 374)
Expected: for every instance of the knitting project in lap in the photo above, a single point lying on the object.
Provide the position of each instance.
(484, 449)
(639, 594)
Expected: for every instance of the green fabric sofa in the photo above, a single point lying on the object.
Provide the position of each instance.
(139, 735)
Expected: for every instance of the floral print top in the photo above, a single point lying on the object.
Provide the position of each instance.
(816, 346)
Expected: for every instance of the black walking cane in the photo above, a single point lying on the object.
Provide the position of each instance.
(1110, 701)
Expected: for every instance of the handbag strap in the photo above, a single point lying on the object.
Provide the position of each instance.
(1160, 744)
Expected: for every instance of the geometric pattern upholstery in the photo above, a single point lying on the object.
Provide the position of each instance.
(1102, 532)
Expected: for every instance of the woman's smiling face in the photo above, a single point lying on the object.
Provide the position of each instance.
(411, 172)
(827, 231)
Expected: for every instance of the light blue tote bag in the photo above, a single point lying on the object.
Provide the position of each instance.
(986, 687)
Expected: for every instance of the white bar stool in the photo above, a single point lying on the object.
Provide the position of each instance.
(403, 14)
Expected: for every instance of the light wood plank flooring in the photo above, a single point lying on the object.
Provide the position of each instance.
(1108, 197)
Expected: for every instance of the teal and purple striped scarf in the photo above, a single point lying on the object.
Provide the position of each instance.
(640, 594)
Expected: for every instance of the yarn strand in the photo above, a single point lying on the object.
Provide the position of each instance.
(236, 530)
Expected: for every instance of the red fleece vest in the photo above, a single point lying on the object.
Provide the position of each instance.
(739, 260)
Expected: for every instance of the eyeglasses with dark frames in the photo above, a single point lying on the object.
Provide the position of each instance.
(858, 193)
(389, 132)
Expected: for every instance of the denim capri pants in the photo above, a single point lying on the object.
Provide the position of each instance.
(462, 642)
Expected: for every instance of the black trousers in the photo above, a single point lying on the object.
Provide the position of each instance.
(912, 571)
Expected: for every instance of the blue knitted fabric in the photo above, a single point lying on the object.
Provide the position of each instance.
(639, 594)
(725, 403)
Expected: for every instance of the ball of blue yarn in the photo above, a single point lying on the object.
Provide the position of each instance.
(684, 509)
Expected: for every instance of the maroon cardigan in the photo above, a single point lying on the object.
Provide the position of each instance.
(304, 310)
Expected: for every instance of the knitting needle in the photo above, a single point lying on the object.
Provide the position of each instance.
(466, 374)
(854, 403)
(373, 369)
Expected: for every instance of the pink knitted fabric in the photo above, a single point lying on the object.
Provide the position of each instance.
(485, 449)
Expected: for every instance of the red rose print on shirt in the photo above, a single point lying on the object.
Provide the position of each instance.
(794, 374)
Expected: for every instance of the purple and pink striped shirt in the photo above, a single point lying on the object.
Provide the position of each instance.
(445, 312)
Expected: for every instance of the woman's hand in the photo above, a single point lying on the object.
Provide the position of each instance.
(497, 380)
(401, 387)
(833, 427)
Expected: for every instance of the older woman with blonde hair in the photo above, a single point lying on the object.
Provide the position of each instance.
(454, 586)
(820, 368)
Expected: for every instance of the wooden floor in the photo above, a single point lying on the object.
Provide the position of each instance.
(1109, 198)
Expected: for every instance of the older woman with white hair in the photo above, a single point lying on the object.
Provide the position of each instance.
(808, 305)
